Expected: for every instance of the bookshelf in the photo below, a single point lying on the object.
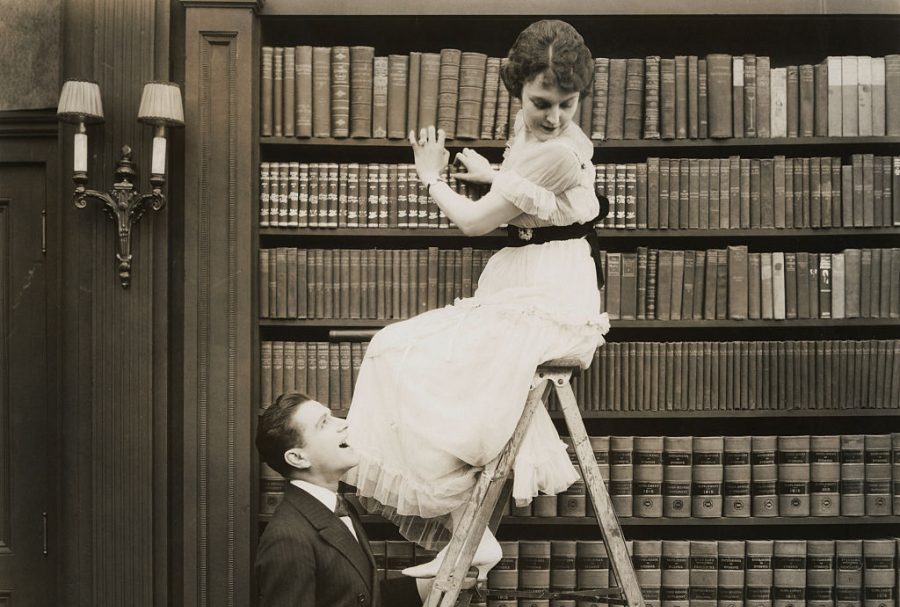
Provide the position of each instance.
(803, 33)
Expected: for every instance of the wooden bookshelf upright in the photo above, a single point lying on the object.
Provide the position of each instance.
(804, 34)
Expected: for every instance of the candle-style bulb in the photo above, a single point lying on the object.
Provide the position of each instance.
(81, 150)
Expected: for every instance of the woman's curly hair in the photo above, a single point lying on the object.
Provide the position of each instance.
(553, 48)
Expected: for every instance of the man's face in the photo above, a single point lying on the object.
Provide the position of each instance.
(325, 448)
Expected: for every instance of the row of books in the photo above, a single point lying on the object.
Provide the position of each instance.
(659, 284)
(348, 91)
(730, 476)
(699, 573)
(651, 376)
(662, 193)
(735, 284)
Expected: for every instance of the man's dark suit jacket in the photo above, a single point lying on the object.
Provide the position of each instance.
(308, 558)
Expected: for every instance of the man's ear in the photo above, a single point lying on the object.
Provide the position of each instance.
(296, 459)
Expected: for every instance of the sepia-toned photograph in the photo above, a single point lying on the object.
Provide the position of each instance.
(475, 303)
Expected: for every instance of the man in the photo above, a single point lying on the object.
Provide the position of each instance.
(309, 556)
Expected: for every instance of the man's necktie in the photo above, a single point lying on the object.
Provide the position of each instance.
(340, 509)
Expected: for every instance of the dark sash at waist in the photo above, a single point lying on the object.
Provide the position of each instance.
(519, 237)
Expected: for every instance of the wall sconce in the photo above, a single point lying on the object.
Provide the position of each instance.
(79, 102)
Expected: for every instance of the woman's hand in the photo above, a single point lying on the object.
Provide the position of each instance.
(431, 156)
(478, 169)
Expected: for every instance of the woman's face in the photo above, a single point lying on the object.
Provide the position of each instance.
(547, 108)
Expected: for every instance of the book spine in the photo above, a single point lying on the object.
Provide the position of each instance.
(764, 474)
(731, 573)
(398, 74)
(848, 573)
(448, 90)
(303, 58)
(736, 477)
(676, 571)
(789, 572)
(340, 91)
(825, 475)
(704, 574)
(759, 573)
(380, 70)
(820, 573)
(278, 92)
(651, 97)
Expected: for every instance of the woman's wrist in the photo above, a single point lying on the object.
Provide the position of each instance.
(430, 181)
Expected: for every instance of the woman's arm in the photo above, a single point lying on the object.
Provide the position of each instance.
(474, 218)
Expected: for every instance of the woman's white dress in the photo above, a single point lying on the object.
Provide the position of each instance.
(439, 395)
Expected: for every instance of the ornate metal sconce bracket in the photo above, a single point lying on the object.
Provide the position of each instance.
(123, 205)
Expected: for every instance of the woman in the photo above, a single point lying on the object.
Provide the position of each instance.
(439, 395)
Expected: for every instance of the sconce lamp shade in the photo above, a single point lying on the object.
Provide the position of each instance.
(161, 104)
(80, 101)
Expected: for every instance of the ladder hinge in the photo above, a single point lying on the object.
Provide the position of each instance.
(44, 231)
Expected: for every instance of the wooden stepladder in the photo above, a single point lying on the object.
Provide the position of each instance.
(485, 505)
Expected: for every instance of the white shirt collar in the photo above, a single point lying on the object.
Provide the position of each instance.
(323, 494)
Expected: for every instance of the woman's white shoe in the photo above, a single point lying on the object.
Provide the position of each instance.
(486, 556)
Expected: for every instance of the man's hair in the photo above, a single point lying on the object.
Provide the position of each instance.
(277, 432)
(553, 48)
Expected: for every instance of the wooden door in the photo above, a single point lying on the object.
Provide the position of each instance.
(28, 435)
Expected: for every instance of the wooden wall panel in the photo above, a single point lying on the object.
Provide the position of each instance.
(215, 401)
(115, 354)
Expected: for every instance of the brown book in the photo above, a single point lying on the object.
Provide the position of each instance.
(633, 104)
(820, 573)
(667, 98)
(848, 573)
(412, 92)
(321, 97)
(789, 572)
(758, 574)
(707, 477)
(878, 501)
(793, 475)
(501, 123)
(719, 84)
(471, 90)
(737, 96)
(398, 74)
(648, 476)
(448, 90)
(675, 575)
(288, 104)
(681, 97)
(534, 564)
(807, 92)
(879, 574)
(892, 96)
(820, 99)
(340, 91)
(615, 109)
(651, 97)
(278, 92)
(764, 474)
(702, 100)
(749, 95)
(489, 100)
(763, 97)
(852, 475)
(361, 81)
(429, 78)
(704, 573)
(303, 57)
(736, 477)
(621, 474)
(731, 573)
(793, 101)
(600, 99)
(379, 97)
(266, 121)
(737, 282)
